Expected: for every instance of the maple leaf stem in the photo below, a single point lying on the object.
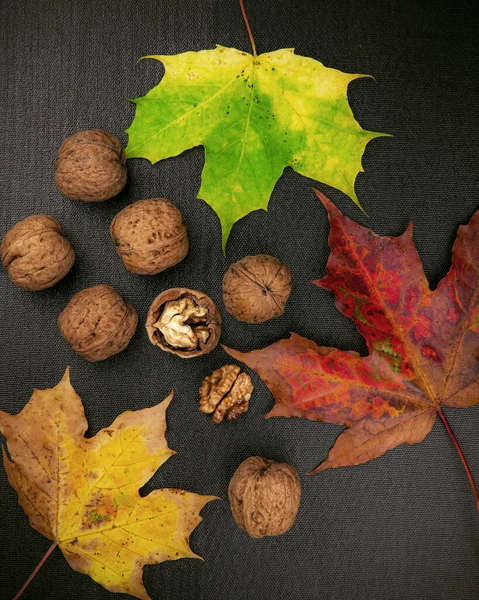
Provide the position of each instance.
(449, 430)
(35, 571)
(248, 28)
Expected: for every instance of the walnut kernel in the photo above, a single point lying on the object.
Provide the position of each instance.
(264, 496)
(184, 322)
(36, 253)
(226, 393)
(97, 323)
(91, 166)
(150, 236)
(256, 288)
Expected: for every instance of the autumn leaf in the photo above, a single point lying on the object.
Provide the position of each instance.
(423, 345)
(82, 493)
(254, 115)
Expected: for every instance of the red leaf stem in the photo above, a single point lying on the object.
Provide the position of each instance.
(35, 571)
(248, 28)
(449, 430)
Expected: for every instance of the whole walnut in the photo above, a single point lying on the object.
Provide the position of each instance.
(91, 166)
(36, 253)
(256, 288)
(97, 323)
(264, 496)
(184, 322)
(150, 236)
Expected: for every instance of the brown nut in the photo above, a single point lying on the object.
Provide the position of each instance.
(256, 288)
(97, 323)
(184, 322)
(226, 393)
(150, 236)
(91, 166)
(264, 496)
(35, 253)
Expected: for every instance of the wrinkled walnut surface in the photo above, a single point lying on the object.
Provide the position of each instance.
(35, 253)
(256, 288)
(177, 323)
(226, 393)
(264, 496)
(97, 323)
(150, 236)
(91, 166)
(184, 322)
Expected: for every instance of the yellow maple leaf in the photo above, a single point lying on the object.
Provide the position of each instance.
(82, 493)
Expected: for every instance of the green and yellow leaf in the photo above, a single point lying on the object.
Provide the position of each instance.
(254, 116)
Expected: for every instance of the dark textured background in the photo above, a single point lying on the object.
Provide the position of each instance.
(402, 527)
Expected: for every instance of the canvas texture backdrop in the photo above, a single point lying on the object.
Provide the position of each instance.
(402, 527)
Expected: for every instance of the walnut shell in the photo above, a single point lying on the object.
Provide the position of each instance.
(91, 166)
(97, 323)
(264, 496)
(256, 288)
(35, 253)
(150, 236)
(184, 322)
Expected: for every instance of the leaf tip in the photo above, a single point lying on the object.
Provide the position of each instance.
(66, 375)
(154, 56)
(225, 232)
(167, 401)
(409, 230)
(359, 205)
(234, 353)
(274, 412)
(316, 282)
(212, 498)
(318, 469)
(326, 202)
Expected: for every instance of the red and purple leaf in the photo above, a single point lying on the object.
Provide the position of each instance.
(423, 345)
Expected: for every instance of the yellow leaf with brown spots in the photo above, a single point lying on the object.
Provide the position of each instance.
(82, 493)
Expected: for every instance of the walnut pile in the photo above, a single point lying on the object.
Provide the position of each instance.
(97, 323)
(226, 393)
(150, 236)
(256, 288)
(36, 254)
(264, 496)
(91, 166)
(184, 322)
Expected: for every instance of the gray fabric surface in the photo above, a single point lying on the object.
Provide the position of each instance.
(403, 527)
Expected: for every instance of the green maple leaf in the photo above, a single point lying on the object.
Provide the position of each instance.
(254, 115)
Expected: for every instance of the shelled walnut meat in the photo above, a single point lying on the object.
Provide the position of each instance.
(264, 496)
(91, 166)
(256, 288)
(150, 236)
(184, 322)
(226, 393)
(97, 323)
(36, 254)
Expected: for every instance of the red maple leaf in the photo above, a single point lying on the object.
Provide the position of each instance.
(423, 345)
